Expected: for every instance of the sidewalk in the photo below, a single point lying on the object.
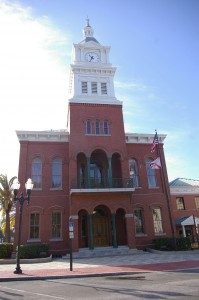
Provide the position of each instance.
(140, 262)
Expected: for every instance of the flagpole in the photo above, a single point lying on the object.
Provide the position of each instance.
(165, 187)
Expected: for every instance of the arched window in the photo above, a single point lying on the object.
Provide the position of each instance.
(133, 170)
(139, 223)
(151, 175)
(157, 221)
(56, 173)
(34, 226)
(97, 127)
(88, 127)
(106, 127)
(95, 175)
(36, 173)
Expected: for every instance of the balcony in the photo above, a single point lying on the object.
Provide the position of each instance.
(99, 185)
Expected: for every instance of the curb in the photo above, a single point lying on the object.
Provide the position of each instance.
(8, 279)
(25, 260)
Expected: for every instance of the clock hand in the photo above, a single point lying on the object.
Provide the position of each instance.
(91, 57)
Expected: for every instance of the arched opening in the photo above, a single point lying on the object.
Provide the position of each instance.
(120, 227)
(83, 228)
(101, 226)
(81, 170)
(116, 170)
(98, 169)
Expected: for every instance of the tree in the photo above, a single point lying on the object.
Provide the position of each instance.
(6, 202)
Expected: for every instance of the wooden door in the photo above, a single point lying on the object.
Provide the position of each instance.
(100, 231)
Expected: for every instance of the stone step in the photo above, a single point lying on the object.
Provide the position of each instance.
(103, 251)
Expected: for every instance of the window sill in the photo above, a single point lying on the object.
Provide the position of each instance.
(56, 189)
(141, 235)
(153, 187)
(160, 234)
(34, 241)
(56, 240)
(94, 134)
(37, 189)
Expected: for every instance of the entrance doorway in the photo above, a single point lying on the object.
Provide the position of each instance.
(121, 227)
(101, 227)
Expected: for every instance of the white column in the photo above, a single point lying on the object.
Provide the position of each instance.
(183, 231)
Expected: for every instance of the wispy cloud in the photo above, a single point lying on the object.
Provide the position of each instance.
(32, 76)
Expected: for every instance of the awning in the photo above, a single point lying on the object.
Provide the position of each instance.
(187, 221)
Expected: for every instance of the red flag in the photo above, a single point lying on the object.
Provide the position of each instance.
(155, 142)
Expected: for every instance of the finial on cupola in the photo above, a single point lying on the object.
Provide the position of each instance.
(88, 30)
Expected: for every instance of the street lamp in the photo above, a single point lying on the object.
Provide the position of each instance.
(21, 199)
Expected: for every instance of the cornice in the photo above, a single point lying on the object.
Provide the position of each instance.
(188, 190)
(43, 136)
(143, 138)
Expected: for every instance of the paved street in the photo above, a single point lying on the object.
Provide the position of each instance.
(155, 285)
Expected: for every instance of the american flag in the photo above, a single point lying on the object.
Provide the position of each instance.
(155, 164)
(155, 142)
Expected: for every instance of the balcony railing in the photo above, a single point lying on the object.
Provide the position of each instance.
(112, 183)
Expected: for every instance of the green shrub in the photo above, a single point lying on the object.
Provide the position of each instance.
(182, 243)
(6, 250)
(34, 250)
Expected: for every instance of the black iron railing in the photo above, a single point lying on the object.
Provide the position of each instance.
(92, 183)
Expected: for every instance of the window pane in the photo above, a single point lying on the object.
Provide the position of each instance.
(84, 87)
(151, 175)
(106, 127)
(94, 87)
(56, 173)
(157, 221)
(88, 127)
(180, 203)
(56, 225)
(197, 202)
(36, 173)
(103, 88)
(34, 226)
(139, 228)
(133, 170)
(97, 127)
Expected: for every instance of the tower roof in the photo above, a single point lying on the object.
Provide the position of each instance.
(88, 33)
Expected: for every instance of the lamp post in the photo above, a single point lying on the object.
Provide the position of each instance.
(21, 199)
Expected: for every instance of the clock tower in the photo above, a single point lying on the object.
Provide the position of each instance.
(91, 74)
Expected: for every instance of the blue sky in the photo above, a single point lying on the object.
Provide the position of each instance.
(154, 45)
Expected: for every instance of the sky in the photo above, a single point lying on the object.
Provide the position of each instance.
(154, 45)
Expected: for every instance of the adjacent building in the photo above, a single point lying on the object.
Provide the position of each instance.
(185, 207)
(92, 175)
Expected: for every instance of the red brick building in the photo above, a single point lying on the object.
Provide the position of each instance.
(185, 207)
(93, 173)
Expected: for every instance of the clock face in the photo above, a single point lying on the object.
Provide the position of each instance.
(92, 57)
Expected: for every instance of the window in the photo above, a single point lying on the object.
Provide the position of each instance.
(151, 175)
(56, 173)
(139, 225)
(94, 87)
(96, 179)
(157, 221)
(180, 203)
(34, 225)
(133, 170)
(84, 87)
(106, 127)
(88, 127)
(56, 224)
(197, 202)
(37, 173)
(103, 88)
(97, 127)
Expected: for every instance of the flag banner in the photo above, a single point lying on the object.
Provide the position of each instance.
(155, 164)
(155, 143)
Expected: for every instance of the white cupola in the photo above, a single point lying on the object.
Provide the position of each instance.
(91, 74)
